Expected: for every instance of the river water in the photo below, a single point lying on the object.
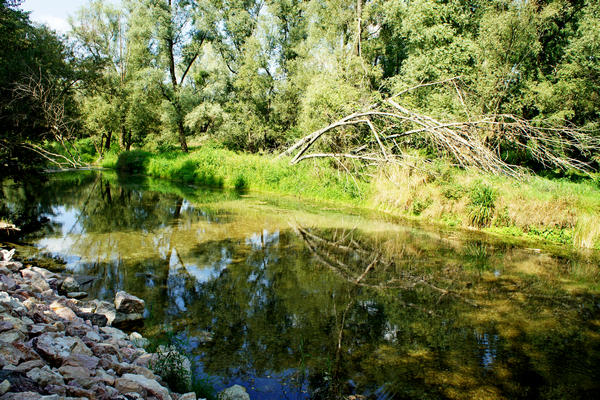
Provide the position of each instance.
(300, 301)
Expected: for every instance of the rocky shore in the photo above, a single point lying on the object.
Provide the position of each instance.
(53, 346)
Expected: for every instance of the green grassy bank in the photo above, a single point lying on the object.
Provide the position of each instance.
(564, 210)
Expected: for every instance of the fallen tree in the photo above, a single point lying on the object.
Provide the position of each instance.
(468, 142)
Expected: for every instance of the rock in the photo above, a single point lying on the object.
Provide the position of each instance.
(19, 382)
(56, 348)
(28, 396)
(188, 396)
(93, 337)
(63, 311)
(11, 303)
(129, 304)
(11, 354)
(29, 365)
(78, 374)
(11, 336)
(103, 376)
(44, 273)
(70, 285)
(108, 310)
(95, 319)
(56, 389)
(77, 295)
(113, 332)
(138, 340)
(13, 266)
(82, 360)
(6, 255)
(38, 329)
(4, 386)
(124, 385)
(105, 349)
(80, 392)
(149, 386)
(8, 282)
(236, 392)
(143, 371)
(127, 321)
(6, 326)
(143, 360)
(102, 391)
(45, 376)
(39, 285)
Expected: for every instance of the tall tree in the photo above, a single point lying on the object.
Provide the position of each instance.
(180, 41)
(36, 86)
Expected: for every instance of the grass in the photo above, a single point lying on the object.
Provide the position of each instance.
(216, 167)
(554, 210)
(557, 210)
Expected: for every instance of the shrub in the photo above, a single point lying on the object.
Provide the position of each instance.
(419, 205)
(173, 367)
(454, 192)
(482, 205)
(240, 183)
(134, 161)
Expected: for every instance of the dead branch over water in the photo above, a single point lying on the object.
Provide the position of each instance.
(471, 143)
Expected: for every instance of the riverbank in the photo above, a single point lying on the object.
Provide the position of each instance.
(556, 210)
(53, 346)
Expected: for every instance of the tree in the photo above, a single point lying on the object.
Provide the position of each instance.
(36, 87)
(179, 44)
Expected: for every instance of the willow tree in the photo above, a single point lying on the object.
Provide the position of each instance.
(116, 47)
(179, 37)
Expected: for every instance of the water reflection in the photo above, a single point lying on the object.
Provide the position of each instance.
(298, 304)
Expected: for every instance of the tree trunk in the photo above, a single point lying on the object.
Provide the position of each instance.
(108, 140)
(357, 48)
(175, 99)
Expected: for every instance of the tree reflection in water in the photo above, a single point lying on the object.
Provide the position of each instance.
(299, 304)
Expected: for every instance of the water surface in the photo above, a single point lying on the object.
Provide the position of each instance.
(293, 300)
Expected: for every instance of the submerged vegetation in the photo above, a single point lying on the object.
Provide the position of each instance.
(325, 304)
(473, 113)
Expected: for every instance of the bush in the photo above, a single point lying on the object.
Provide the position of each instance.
(454, 192)
(134, 161)
(419, 205)
(177, 370)
(240, 183)
(173, 367)
(482, 205)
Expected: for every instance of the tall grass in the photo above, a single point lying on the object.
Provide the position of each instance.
(216, 167)
(551, 209)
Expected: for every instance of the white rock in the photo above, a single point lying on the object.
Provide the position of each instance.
(129, 304)
(7, 255)
(70, 285)
(151, 386)
(4, 387)
(236, 392)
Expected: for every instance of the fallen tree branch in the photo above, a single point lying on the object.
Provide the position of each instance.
(468, 143)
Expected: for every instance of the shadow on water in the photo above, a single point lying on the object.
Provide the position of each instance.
(295, 304)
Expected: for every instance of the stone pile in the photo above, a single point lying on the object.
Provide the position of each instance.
(54, 346)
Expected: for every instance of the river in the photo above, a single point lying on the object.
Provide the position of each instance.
(302, 301)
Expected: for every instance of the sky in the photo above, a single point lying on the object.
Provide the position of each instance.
(53, 13)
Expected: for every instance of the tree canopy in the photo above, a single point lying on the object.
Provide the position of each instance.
(256, 76)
